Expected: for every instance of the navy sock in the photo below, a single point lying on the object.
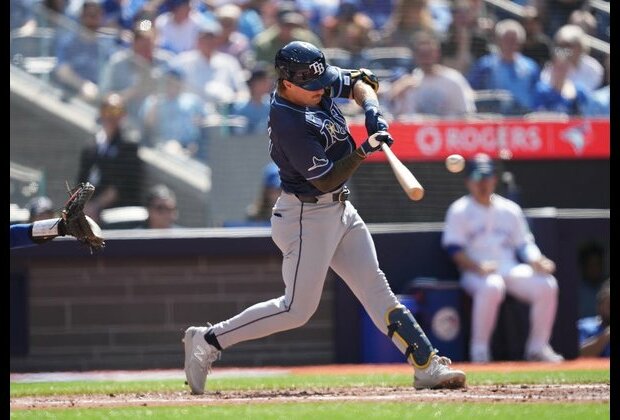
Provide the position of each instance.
(212, 339)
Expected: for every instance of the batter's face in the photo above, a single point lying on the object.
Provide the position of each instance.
(300, 96)
(482, 189)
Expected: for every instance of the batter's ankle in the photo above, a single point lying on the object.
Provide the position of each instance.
(212, 339)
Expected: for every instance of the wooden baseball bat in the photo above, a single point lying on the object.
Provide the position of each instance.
(407, 181)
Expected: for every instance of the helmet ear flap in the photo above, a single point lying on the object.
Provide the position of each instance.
(282, 72)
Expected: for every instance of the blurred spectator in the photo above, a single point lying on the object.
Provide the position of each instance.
(215, 76)
(431, 88)
(484, 18)
(316, 11)
(21, 16)
(173, 117)
(111, 162)
(507, 69)
(290, 26)
(269, 9)
(40, 208)
(178, 29)
(408, 17)
(537, 44)
(592, 271)
(558, 11)
(559, 93)
(349, 29)
(380, 11)
(465, 42)
(441, 12)
(232, 41)
(587, 71)
(584, 19)
(594, 332)
(81, 55)
(161, 205)
(602, 23)
(256, 108)
(599, 100)
(130, 71)
(51, 14)
(260, 210)
(250, 22)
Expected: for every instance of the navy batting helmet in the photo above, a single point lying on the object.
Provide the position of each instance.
(304, 65)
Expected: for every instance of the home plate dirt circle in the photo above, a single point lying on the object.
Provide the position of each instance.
(512, 393)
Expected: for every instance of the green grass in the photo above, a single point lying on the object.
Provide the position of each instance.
(338, 410)
(299, 381)
(320, 410)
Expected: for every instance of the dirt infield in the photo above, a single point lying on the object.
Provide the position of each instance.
(479, 393)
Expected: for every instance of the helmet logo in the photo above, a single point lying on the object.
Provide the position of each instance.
(317, 67)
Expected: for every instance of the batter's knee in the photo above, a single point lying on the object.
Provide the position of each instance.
(298, 316)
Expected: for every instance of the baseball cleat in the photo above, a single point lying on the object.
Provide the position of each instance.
(199, 355)
(438, 375)
(547, 354)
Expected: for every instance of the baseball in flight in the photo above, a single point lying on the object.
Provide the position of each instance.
(455, 163)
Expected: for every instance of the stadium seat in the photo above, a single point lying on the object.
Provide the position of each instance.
(388, 62)
(338, 57)
(492, 100)
(33, 50)
(127, 217)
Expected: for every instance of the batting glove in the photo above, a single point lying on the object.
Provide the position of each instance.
(374, 118)
(373, 143)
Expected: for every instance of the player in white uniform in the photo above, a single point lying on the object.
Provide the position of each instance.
(484, 234)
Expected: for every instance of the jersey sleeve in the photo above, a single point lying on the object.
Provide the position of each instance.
(19, 235)
(523, 239)
(342, 86)
(303, 150)
(454, 234)
(521, 234)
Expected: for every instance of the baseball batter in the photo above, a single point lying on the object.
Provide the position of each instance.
(314, 224)
(484, 233)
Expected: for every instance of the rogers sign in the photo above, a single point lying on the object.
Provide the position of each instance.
(471, 139)
(515, 138)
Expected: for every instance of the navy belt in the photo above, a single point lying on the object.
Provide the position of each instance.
(339, 197)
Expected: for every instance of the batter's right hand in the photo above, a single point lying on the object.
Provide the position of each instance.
(373, 143)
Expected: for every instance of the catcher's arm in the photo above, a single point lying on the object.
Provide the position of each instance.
(73, 221)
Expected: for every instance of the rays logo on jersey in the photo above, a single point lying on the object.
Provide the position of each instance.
(332, 133)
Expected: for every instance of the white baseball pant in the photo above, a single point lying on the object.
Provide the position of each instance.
(539, 290)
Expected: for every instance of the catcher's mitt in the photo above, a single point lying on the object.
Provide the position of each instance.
(76, 223)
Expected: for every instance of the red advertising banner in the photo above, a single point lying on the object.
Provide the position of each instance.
(509, 139)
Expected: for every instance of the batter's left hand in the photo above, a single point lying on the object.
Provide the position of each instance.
(375, 121)
(544, 265)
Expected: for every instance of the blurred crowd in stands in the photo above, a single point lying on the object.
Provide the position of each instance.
(173, 68)
(193, 60)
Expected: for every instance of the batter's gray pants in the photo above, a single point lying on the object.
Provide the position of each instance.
(312, 238)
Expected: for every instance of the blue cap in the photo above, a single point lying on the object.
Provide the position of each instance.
(480, 166)
(271, 176)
